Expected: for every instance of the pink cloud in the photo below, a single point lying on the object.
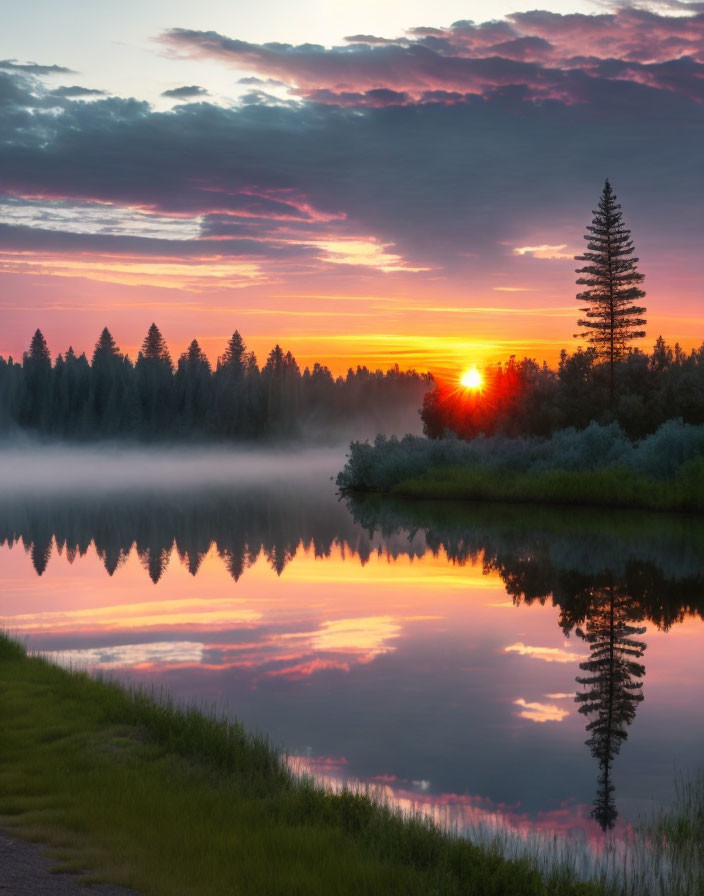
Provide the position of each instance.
(545, 53)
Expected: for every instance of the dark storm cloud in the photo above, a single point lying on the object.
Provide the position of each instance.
(186, 92)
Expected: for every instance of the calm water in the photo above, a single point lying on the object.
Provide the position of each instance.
(431, 649)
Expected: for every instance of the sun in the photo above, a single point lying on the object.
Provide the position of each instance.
(471, 379)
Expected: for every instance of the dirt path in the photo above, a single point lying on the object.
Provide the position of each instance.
(24, 871)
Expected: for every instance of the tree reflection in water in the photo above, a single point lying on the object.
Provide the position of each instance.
(612, 687)
(606, 574)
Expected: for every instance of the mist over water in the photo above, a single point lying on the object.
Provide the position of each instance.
(31, 470)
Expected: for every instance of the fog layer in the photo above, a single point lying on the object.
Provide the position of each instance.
(35, 470)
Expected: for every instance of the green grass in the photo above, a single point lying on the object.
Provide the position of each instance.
(171, 801)
(683, 825)
(598, 488)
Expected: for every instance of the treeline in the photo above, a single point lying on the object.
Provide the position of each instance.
(639, 391)
(151, 398)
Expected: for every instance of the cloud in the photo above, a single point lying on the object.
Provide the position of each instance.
(76, 92)
(369, 635)
(430, 156)
(186, 92)
(548, 55)
(263, 82)
(130, 655)
(547, 654)
(540, 712)
(15, 94)
(369, 39)
(364, 253)
(545, 251)
(33, 68)
(359, 70)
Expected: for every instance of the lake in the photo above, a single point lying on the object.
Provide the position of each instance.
(431, 651)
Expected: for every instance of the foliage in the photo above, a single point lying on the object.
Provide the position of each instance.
(523, 398)
(612, 280)
(112, 396)
(595, 465)
(683, 825)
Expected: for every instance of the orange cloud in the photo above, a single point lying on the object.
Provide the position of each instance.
(540, 712)
(548, 654)
(545, 251)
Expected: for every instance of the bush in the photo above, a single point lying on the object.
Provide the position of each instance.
(667, 453)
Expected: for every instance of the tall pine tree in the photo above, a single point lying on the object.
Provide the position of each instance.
(612, 286)
(154, 372)
(38, 350)
(109, 385)
(37, 403)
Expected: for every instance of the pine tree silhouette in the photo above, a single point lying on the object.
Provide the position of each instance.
(613, 689)
(37, 406)
(38, 349)
(40, 552)
(105, 348)
(195, 355)
(155, 385)
(154, 346)
(612, 320)
(233, 358)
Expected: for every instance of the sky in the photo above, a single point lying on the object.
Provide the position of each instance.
(361, 182)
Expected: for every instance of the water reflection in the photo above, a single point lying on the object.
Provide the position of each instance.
(612, 686)
(241, 524)
(604, 574)
(406, 688)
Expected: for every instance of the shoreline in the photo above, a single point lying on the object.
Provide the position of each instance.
(130, 791)
(165, 800)
(610, 488)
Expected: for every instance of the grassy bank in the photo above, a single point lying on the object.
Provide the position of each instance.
(612, 487)
(172, 802)
(597, 466)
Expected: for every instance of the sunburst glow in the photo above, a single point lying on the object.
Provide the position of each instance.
(471, 379)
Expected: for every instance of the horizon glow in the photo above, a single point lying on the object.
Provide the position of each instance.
(368, 186)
